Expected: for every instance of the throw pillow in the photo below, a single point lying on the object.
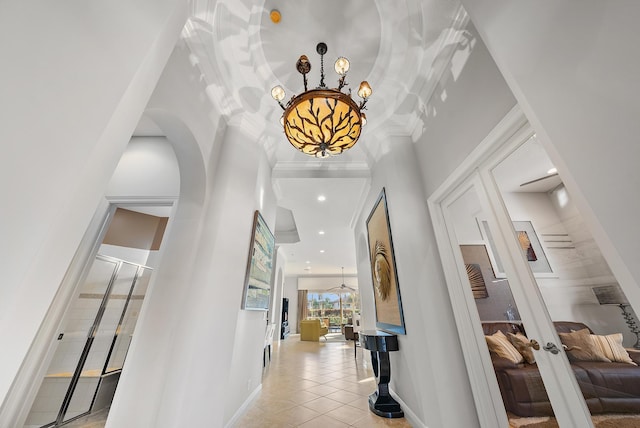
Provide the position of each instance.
(580, 346)
(521, 343)
(611, 347)
(499, 344)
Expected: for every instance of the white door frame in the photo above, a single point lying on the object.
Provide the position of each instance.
(27, 382)
(475, 172)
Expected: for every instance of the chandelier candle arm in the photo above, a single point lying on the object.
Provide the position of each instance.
(364, 91)
(323, 121)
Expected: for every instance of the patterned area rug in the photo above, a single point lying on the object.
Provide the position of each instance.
(599, 421)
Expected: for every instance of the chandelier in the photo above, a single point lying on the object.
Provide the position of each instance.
(323, 121)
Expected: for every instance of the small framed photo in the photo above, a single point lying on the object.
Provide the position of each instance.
(529, 243)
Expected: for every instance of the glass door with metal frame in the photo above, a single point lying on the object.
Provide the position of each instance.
(93, 342)
(592, 319)
(559, 333)
(507, 348)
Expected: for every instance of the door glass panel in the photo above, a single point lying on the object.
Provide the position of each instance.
(103, 339)
(588, 308)
(513, 359)
(73, 338)
(129, 320)
(349, 307)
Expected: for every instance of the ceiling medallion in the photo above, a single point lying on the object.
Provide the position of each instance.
(323, 121)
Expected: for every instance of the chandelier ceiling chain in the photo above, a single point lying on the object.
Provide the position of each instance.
(323, 121)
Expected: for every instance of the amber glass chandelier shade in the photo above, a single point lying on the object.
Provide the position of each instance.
(364, 91)
(322, 122)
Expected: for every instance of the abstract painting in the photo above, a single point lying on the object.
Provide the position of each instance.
(257, 283)
(389, 315)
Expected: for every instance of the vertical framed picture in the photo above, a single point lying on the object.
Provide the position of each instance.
(530, 244)
(389, 315)
(257, 283)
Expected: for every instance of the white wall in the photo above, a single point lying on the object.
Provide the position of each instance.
(147, 168)
(572, 69)
(290, 290)
(326, 282)
(465, 107)
(192, 320)
(73, 85)
(245, 373)
(469, 101)
(437, 396)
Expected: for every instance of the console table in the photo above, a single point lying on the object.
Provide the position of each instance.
(380, 344)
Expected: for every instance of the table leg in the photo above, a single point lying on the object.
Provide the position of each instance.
(381, 402)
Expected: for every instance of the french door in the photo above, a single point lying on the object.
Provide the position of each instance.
(523, 271)
(93, 343)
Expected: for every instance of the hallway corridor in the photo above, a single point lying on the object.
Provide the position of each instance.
(307, 385)
(311, 384)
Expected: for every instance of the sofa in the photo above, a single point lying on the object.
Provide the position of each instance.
(311, 330)
(609, 385)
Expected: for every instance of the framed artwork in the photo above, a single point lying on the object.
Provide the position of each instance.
(478, 286)
(389, 315)
(257, 283)
(493, 297)
(530, 244)
(479, 269)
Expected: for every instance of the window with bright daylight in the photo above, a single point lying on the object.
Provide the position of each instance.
(336, 308)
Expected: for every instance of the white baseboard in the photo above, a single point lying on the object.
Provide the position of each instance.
(408, 413)
(242, 409)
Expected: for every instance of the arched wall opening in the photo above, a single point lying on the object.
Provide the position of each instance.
(159, 316)
(148, 179)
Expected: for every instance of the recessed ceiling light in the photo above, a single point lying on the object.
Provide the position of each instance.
(552, 171)
(308, 262)
(322, 198)
(322, 251)
(321, 232)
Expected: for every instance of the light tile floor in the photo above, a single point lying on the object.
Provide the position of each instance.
(307, 385)
(316, 384)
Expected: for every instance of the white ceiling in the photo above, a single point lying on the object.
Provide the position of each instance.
(397, 46)
(392, 45)
(316, 253)
(529, 163)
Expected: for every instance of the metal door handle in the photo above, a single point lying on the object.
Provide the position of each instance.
(551, 347)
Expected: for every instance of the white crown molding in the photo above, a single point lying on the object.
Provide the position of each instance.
(320, 169)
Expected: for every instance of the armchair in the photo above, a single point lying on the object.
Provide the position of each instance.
(311, 330)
